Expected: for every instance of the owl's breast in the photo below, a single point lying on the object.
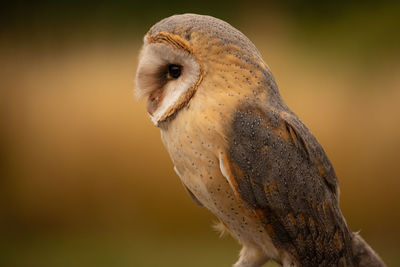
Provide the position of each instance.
(194, 146)
(194, 153)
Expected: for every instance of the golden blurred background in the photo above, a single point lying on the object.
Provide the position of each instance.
(84, 178)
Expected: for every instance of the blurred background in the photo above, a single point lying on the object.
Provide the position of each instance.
(84, 178)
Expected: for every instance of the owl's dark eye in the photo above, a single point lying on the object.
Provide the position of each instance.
(174, 71)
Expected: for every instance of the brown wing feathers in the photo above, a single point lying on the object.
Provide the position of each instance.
(282, 173)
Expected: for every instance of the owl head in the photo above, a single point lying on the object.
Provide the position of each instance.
(183, 54)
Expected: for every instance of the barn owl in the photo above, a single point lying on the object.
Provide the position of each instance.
(239, 150)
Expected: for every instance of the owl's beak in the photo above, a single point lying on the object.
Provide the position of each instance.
(154, 101)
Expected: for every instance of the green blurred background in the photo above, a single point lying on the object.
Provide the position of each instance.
(84, 178)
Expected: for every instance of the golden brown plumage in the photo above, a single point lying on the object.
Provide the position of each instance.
(239, 150)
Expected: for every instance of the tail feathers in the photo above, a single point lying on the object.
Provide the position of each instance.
(364, 255)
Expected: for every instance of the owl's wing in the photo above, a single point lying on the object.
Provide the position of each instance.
(277, 167)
